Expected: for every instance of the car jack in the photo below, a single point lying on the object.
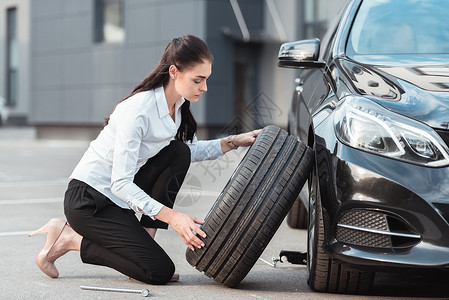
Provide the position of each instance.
(293, 257)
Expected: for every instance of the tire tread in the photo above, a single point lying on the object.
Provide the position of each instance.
(252, 206)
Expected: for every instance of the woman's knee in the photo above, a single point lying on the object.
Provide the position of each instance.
(180, 148)
(181, 152)
(162, 274)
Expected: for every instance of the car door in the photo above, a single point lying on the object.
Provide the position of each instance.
(317, 85)
(309, 80)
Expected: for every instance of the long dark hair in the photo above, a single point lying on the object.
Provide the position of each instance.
(183, 52)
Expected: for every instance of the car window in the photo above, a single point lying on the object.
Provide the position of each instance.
(400, 27)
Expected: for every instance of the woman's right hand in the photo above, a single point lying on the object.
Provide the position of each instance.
(184, 225)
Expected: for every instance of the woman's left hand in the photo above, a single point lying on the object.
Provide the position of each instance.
(240, 140)
(245, 139)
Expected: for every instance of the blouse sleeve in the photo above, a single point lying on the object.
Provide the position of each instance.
(131, 127)
(204, 150)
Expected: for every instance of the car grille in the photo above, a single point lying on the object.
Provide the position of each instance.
(369, 228)
(444, 134)
(443, 209)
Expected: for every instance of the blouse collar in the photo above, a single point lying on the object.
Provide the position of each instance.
(161, 102)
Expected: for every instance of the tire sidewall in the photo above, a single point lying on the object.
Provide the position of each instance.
(311, 231)
(315, 233)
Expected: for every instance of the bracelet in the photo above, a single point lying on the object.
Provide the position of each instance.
(231, 144)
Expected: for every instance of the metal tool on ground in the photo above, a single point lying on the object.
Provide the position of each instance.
(143, 292)
(293, 257)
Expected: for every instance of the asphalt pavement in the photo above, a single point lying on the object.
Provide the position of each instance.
(33, 179)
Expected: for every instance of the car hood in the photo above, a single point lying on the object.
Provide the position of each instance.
(417, 87)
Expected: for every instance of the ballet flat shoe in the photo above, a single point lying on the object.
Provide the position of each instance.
(53, 229)
(175, 277)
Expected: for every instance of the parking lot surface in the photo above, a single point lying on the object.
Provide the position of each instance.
(33, 178)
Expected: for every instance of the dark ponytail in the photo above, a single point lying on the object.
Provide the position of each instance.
(183, 52)
(188, 124)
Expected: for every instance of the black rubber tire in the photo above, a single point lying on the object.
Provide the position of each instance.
(297, 216)
(252, 206)
(326, 274)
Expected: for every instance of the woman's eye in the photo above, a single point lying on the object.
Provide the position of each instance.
(197, 81)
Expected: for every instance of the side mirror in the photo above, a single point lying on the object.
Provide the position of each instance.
(300, 54)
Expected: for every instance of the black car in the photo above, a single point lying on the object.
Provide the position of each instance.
(373, 102)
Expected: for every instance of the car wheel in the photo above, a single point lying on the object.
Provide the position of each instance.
(252, 206)
(325, 274)
(297, 216)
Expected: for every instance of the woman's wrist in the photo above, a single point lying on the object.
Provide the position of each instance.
(227, 144)
(165, 214)
(231, 143)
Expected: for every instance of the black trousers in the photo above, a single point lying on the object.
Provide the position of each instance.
(113, 236)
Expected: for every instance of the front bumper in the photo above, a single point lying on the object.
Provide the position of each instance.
(398, 212)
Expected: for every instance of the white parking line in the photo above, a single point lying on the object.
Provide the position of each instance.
(33, 183)
(60, 199)
(30, 201)
(13, 233)
(201, 193)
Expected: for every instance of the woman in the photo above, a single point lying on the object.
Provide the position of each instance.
(137, 164)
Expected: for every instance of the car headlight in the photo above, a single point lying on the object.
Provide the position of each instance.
(365, 125)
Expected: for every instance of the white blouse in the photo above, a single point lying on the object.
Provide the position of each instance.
(138, 129)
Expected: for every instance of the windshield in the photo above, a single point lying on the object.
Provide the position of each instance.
(400, 27)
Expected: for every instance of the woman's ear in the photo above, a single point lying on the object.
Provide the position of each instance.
(172, 70)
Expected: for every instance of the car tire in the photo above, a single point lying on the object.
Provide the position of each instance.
(252, 206)
(297, 216)
(326, 274)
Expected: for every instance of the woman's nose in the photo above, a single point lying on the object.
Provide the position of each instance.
(204, 87)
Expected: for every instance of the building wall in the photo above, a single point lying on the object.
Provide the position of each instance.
(270, 23)
(77, 82)
(20, 112)
(278, 83)
(223, 33)
(240, 106)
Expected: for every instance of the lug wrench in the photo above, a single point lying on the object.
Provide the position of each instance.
(143, 292)
(294, 257)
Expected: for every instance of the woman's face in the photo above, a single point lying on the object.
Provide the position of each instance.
(191, 83)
